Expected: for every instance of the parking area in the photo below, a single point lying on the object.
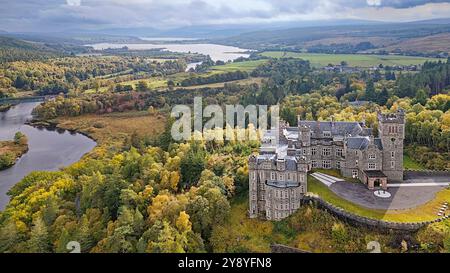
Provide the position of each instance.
(416, 190)
(401, 197)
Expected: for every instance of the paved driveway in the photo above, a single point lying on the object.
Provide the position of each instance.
(402, 197)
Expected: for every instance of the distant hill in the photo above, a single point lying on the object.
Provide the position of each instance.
(430, 44)
(341, 38)
(12, 49)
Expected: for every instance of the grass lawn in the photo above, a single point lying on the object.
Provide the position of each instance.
(424, 212)
(115, 127)
(360, 60)
(411, 164)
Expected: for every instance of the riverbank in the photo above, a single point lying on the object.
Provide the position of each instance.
(5, 107)
(110, 129)
(11, 151)
(49, 149)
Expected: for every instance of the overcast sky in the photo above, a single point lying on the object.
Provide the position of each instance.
(59, 15)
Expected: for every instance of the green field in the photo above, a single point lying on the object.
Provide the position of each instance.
(355, 60)
(248, 66)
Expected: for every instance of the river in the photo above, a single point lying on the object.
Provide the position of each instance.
(48, 149)
(216, 52)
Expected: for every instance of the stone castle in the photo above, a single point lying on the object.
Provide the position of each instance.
(278, 175)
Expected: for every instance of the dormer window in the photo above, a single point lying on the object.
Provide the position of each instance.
(326, 134)
(372, 156)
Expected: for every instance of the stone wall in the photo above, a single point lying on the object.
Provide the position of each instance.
(364, 221)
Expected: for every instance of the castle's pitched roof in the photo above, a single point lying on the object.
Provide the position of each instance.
(374, 174)
(362, 142)
(378, 142)
(337, 128)
(357, 143)
(291, 163)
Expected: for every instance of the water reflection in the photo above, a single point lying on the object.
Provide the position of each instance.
(49, 149)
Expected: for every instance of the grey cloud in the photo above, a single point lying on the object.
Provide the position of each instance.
(49, 15)
(408, 3)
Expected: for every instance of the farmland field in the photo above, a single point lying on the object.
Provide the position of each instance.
(242, 66)
(360, 60)
(159, 83)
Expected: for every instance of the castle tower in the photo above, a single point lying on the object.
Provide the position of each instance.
(305, 135)
(253, 186)
(391, 131)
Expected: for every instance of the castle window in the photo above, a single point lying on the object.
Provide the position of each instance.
(314, 163)
(355, 173)
(392, 164)
(338, 165)
(289, 177)
(392, 154)
(372, 166)
(372, 156)
(281, 177)
(339, 152)
(326, 134)
(313, 151)
(272, 176)
(326, 152)
(326, 164)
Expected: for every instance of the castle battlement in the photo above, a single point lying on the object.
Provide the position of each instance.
(396, 117)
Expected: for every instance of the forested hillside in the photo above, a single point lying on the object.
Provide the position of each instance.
(149, 194)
